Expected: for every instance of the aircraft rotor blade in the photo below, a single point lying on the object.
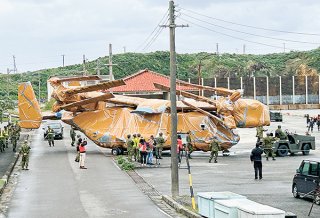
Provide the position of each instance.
(87, 101)
(100, 86)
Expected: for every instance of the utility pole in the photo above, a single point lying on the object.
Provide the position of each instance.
(63, 60)
(98, 68)
(8, 82)
(84, 65)
(244, 48)
(39, 93)
(15, 70)
(217, 47)
(124, 49)
(110, 64)
(173, 100)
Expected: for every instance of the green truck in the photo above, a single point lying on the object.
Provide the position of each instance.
(275, 116)
(295, 143)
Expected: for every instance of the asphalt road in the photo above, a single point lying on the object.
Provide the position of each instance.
(235, 173)
(56, 187)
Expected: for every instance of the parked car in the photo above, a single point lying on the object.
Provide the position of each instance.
(306, 180)
(57, 128)
(295, 143)
(275, 116)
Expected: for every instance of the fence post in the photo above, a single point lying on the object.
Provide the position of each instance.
(268, 100)
(215, 82)
(228, 82)
(241, 84)
(293, 91)
(254, 87)
(280, 90)
(202, 91)
(306, 89)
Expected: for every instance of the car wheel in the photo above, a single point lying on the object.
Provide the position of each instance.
(306, 149)
(115, 151)
(283, 150)
(295, 192)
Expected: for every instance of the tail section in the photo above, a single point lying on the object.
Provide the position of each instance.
(29, 109)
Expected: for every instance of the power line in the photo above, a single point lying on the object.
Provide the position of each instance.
(252, 34)
(235, 37)
(166, 15)
(249, 26)
(154, 37)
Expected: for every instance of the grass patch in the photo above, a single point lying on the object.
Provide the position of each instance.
(124, 163)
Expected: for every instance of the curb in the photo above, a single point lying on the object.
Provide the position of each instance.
(179, 208)
(5, 178)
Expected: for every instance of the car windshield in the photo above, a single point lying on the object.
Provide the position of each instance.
(55, 126)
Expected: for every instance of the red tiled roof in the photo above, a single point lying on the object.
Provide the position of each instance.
(143, 80)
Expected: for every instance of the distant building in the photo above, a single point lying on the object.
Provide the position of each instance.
(141, 84)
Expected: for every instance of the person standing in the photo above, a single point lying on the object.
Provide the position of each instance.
(150, 146)
(256, 158)
(318, 123)
(82, 150)
(159, 146)
(214, 147)
(135, 147)
(50, 136)
(311, 124)
(130, 151)
(2, 141)
(6, 136)
(24, 152)
(143, 152)
(259, 133)
(268, 146)
(189, 145)
(14, 138)
(77, 159)
(179, 147)
(73, 136)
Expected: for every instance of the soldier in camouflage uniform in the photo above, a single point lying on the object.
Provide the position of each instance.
(50, 136)
(268, 143)
(189, 145)
(130, 148)
(280, 134)
(6, 136)
(25, 149)
(73, 136)
(259, 134)
(159, 145)
(214, 147)
(14, 139)
(2, 141)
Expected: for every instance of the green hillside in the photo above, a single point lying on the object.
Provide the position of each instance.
(224, 65)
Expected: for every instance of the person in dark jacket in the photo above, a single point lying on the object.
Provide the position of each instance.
(256, 158)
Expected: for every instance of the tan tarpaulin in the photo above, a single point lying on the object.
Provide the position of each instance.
(29, 110)
(251, 113)
(109, 127)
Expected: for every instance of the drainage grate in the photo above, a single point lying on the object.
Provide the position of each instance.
(153, 194)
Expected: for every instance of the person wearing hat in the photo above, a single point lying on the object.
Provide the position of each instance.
(82, 150)
(24, 152)
(73, 136)
(268, 146)
(79, 141)
(280, 134)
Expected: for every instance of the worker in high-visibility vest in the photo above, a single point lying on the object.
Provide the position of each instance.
(2, 141)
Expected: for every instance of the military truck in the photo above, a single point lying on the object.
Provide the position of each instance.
(275, 116)
(295, 143)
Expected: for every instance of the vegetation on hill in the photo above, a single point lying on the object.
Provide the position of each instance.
(212, 65)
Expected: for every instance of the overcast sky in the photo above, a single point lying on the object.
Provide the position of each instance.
(38, 32)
